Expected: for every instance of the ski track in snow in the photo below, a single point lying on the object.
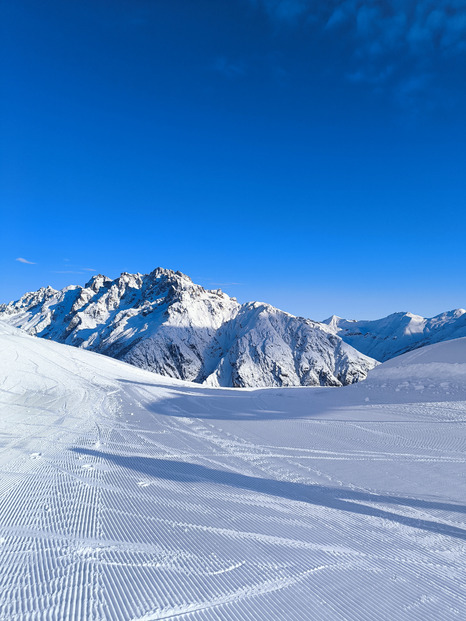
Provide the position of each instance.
(124, 495)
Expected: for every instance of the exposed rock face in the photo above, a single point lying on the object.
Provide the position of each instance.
(396, 334)
(165, 323)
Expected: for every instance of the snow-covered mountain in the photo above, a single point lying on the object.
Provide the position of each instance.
(163, 322)
(398, 333)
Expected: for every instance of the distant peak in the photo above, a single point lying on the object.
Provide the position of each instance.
(161, 272)
(48, 290)
(413, 316)
(96, 282)
(332, 319)
(457, 312)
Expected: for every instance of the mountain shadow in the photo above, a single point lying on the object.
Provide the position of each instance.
(339, 499)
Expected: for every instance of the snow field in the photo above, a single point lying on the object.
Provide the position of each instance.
(125, 495)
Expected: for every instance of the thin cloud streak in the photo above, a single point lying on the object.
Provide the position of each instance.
(66, 272)
(225, 284)
(22, 260)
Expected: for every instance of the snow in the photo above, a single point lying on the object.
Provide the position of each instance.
(128, 495)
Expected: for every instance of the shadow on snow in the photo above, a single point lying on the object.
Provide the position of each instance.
(333, 498)
(280, 403)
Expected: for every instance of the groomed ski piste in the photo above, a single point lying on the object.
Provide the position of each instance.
(126, 495)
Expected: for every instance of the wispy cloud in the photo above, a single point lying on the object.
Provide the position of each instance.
(66, 272)
(22, 260)
(229, 68)
(286, 9)
(409, 91)
(388, 41)
(418, 25)
(76, 270)
(225, 284)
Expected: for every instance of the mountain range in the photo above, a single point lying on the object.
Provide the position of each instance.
(165, 323)
(398, 333)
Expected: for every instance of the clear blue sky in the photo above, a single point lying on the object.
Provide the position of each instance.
(308, 154)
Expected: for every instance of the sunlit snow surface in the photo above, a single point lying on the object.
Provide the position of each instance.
(124, 495)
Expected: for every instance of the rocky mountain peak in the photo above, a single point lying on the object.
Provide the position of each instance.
(97, 282)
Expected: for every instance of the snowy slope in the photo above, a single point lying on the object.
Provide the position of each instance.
(126, 495)
(396, 334)
(163, 322)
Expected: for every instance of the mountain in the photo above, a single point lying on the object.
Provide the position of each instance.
(398, 333)
(165, 323)
(127, 495)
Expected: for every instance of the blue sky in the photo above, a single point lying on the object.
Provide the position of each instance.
(308, 154)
